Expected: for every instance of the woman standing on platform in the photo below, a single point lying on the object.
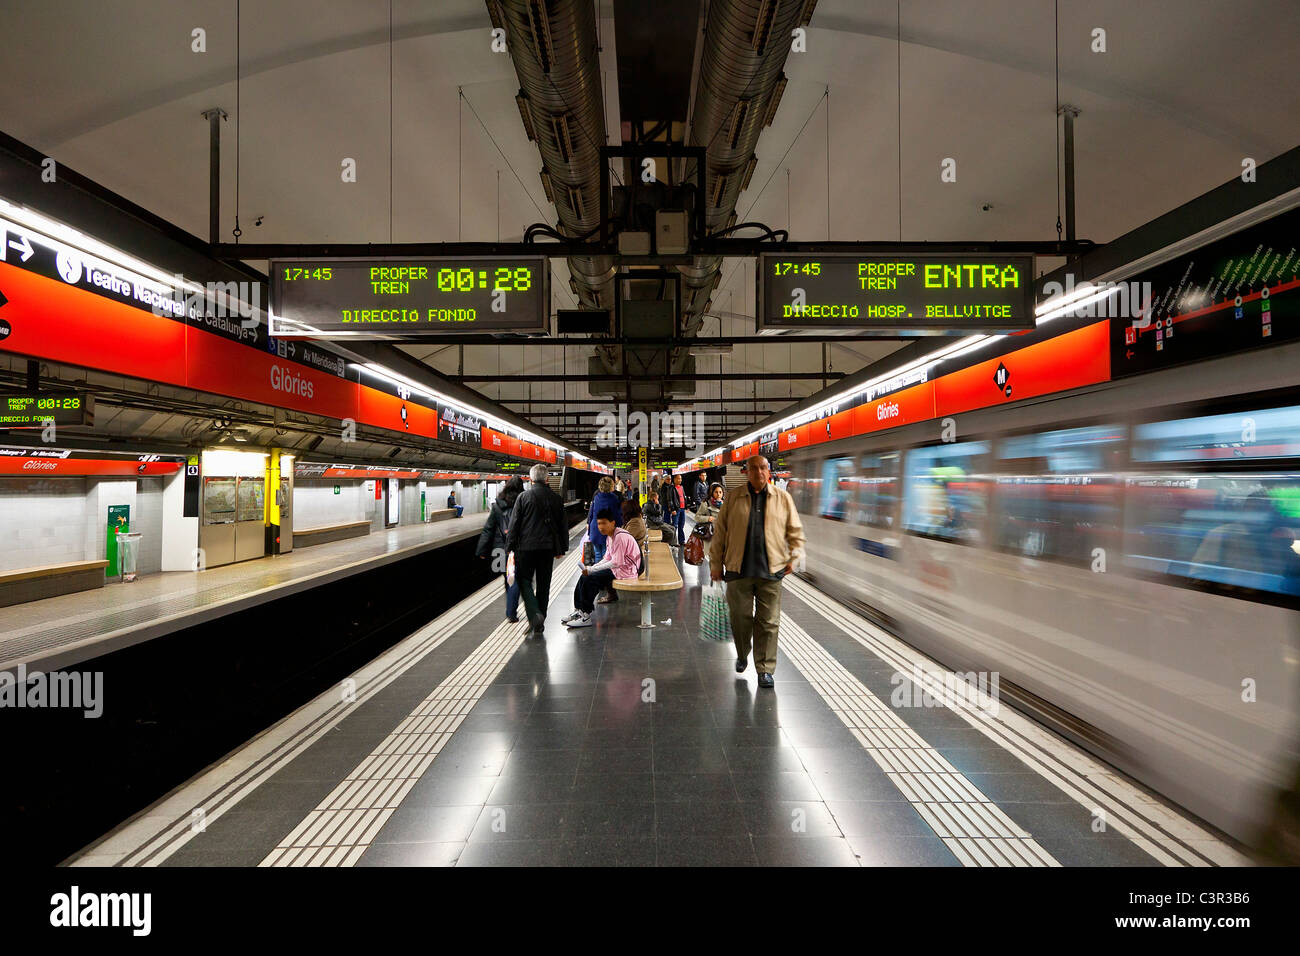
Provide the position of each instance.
(492, 540)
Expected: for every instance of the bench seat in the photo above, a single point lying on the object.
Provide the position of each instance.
(327, 533)
(32, 584)
(662, 576)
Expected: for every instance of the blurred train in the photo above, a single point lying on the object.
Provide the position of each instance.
(1125, 555)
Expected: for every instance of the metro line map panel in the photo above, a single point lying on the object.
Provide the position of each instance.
(1241, 292)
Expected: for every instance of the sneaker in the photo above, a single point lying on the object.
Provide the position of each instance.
(607, 597)
(582, 620)
(571, 616)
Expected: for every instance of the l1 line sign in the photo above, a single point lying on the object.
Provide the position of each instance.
(920, 294)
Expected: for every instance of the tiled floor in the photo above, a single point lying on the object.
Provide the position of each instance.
(611, 745)
(61, 630)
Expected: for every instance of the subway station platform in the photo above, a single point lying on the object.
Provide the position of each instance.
(60, 632)
(467, 744)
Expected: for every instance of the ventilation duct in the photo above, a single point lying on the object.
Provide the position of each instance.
(740, 83)
(553, 46)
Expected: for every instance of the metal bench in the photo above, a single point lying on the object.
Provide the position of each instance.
(660, 575)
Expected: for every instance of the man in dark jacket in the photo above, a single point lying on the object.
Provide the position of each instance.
(492, 540)
(699, 492)
(538, 538)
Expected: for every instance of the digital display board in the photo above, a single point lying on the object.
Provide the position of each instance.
(34, 410)
(404, 298)
(922, 294)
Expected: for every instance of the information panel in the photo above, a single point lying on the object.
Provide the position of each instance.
(924, 294)
(387, 298)
(35, 410)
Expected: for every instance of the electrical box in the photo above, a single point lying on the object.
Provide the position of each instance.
(634, 243)
(672, 236)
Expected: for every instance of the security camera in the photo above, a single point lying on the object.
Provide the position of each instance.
(258, 220)
(985, 207)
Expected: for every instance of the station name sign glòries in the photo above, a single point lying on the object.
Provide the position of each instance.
(407, 298)
(922, 294)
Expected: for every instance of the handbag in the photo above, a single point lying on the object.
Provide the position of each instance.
(715, 616)
(694, 552)
(588, 553)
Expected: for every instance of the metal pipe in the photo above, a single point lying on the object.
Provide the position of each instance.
(1069, 113)
(214, 116)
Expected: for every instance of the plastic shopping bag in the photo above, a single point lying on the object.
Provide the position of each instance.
(510, 569)
(715, 617)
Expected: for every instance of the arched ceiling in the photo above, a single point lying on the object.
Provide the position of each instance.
(1183, 92)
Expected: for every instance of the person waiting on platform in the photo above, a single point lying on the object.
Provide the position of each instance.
(492, 540)
(635, 523)
(679, 492)
(451, 499)
(622, 561)
(669, 506)
(699, 491)
(603, 500)
(709, 507)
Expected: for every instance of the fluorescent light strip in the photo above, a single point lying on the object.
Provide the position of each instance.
(396, 378)
(104, 256)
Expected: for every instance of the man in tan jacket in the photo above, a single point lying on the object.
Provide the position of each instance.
(757, 537)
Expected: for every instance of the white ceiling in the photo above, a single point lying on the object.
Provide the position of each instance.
(1183, 93)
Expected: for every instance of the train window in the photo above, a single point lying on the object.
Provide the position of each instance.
(1057, 495)
(837, 489)
(1266, 433)
(878, 489)
(946, 493)
(1231, 530)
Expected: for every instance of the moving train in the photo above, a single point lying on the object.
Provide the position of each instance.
(1125, 555)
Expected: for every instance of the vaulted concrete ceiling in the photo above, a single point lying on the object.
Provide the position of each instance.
(1181, 95)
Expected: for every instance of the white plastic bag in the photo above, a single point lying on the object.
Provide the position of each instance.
(510, 569)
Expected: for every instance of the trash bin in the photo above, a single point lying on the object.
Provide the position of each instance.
(460, 510)
(128, 552)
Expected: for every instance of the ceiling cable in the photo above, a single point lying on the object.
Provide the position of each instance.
(1056, 130)
(390, 121)
(239, 115)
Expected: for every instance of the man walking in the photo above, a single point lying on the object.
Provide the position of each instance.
(757, 537)
(538, 538)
